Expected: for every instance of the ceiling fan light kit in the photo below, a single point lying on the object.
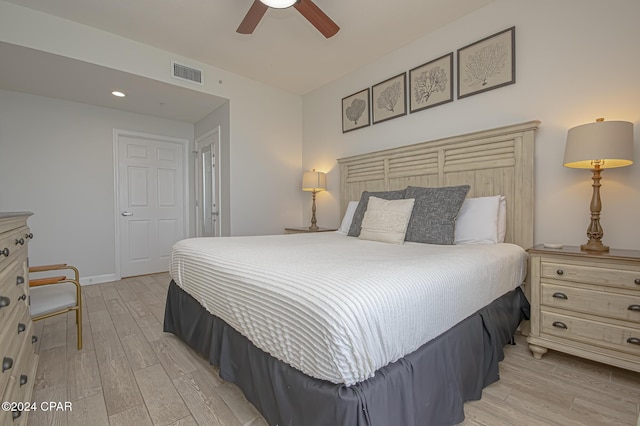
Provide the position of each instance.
(307, 8)
(279, 4)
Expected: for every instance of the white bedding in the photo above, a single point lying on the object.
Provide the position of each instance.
(338, 308)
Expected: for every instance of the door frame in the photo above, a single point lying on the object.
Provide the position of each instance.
(116, 183)
(218, 171)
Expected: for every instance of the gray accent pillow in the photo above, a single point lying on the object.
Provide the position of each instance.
(356, 223)
(434, 213)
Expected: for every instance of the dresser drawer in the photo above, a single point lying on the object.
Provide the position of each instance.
(11, 344)
(619, 306)
(22, 373)
(605, 275)
(13, 244)
(612, 336)
(12, 287)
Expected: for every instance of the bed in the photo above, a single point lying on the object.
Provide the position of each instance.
(341, 339)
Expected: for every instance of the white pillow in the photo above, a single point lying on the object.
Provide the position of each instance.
(386, 220)
(348, 217)
(477, 221)
(502, 219)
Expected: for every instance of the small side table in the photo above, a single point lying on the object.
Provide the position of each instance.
(305, 230)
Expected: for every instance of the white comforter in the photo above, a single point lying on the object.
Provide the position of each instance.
(338, 308)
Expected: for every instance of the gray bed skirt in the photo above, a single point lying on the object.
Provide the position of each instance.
(426, 387)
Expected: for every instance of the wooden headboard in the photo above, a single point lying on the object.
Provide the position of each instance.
(494, 162)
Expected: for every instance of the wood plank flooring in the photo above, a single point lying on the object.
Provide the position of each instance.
(132, 373)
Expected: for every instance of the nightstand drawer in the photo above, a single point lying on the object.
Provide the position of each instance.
(625, 277)
(619, 306)
(612, 336)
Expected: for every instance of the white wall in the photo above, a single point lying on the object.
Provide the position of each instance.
(265, 127)
(576, 60)
(56, 160)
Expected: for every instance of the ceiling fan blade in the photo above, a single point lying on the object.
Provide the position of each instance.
(317, 18)
(252, 18)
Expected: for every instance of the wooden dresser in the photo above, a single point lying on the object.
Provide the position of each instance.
(19, 362)
(586, 304)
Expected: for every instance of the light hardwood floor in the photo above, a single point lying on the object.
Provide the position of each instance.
(131, 373)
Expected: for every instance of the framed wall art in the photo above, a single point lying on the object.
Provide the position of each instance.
(431, 84)
(389, 98)
(355, 111)
(487, 64)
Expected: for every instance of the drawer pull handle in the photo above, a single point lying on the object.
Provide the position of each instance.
(23, 379)
(23, 297)
(5, 252)
(16, 414)
(559, 324)
(21, 327)
(7, 363)
(637, 281)
(20, 241)
(635, 308)
(34, 339)
(4, 301)
(19, 280)
(560, 272)
(560, 296)
(28, 236)
(633, 340)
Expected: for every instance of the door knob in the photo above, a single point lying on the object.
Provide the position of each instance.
(127, 214)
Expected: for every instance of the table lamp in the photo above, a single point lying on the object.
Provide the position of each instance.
(597, 146)
(315, 182)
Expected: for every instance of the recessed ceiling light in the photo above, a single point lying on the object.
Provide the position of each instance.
(118, 94)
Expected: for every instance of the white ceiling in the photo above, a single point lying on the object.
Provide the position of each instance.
(285, 51)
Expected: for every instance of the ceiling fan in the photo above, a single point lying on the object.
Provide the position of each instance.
(307, 8)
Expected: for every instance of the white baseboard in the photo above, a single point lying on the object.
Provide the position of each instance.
(97, 279)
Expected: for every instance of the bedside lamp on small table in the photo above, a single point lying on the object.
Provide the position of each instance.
(597, 146)
(315, 182)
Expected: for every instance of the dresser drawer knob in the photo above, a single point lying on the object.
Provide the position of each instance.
(19, 280)
(28, 236)
(4, 301)
(16, 415)
(5, 252)
(20, 241)
(23, 297)
(635, 308)
(34, 339)
(21, 327)
(559, 324)
(633, 340)
(560, 272)
(23, 379)
(7, 363)
(637, 281)
(559, 295)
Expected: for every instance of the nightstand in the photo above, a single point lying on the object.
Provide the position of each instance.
(305, 229)
(586, 304)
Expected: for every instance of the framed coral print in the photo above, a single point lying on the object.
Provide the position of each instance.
(355, 111)
(389, 98)
(487, 64)
(431, 84)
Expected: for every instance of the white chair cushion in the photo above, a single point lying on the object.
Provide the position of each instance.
(50, 298)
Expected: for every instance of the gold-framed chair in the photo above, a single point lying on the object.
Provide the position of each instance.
(55, 295)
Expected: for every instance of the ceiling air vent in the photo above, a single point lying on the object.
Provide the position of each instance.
(186, 73)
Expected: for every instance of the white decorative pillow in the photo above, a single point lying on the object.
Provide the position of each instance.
(386, 220)
(477, 221)
(348, 217)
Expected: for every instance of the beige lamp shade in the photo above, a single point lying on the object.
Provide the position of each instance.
(607, 143)
(314, 181)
